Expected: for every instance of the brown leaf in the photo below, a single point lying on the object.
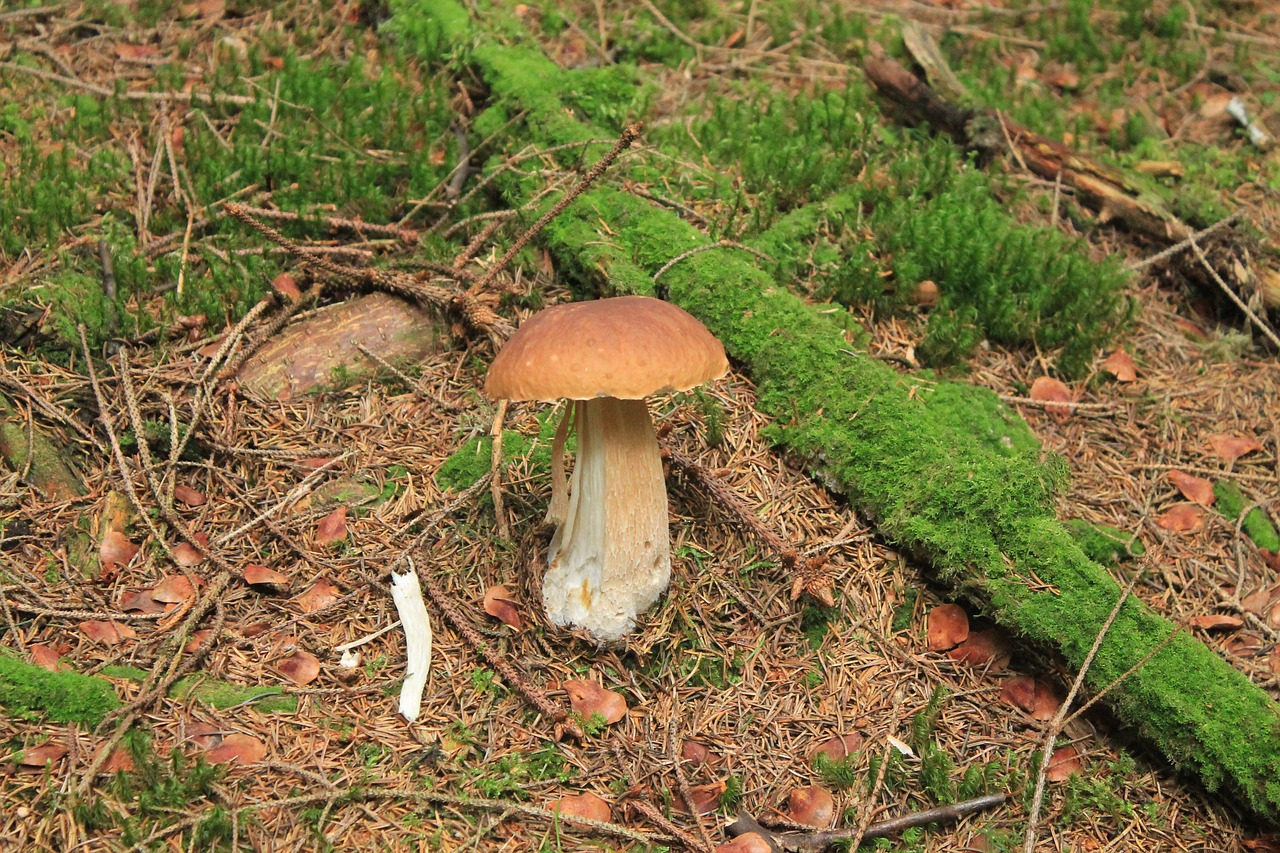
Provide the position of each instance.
(1263, 843)
(1195, 489)
(198, 638)
(948, 627)
(238, 747)
(116, 548)
(125, 50)
(189, 496)
(45, 753)
(140, 601)
(983, 648)
(188, 555)
(49, 657)
(119, 760)
(1120, 365)
(1046, 389)
(747, 842)
(499, 604)
(1063, 764)
(1182, 518)
(1258, 602)
(695, 753)
(203, 735)
(1038, 699)
(210, 9)
(838, 748)
(287, 286)
(705, 798)
(107, 633)
(589, 698)
(320, 595)
(1215, 105)
(586, 805)
(1215, 622)
(1231, 447)
(300, 667)
(332, 528)
(314, 463)
(255, 573)
(812, 806)
(173, 589)
(1272, 558)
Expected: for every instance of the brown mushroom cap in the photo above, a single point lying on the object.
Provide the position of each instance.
(626, 347)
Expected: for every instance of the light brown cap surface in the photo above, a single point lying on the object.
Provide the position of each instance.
(626, 347)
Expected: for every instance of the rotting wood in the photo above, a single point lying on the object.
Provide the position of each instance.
(984, 520)
(1105, 189)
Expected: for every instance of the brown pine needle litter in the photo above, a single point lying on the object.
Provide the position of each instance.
(788, 622)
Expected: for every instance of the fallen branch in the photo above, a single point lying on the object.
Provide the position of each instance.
(811, 842)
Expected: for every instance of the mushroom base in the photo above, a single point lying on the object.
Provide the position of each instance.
(611, 558)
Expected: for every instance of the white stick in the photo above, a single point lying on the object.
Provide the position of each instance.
(406, 592)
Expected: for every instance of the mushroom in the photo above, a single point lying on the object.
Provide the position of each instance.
(610, 557)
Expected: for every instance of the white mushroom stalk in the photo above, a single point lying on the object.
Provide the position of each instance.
(610, 559)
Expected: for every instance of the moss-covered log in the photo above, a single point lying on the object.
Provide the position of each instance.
(897, 446)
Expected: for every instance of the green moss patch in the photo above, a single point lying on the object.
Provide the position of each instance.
(63, 697)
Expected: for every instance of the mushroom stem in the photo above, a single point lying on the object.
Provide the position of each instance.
(611, 558)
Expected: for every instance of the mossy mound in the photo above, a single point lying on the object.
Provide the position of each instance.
(63, 697)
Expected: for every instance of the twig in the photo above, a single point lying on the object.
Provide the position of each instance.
(1056, 724)
(334, 223)
(1183, 244)
(556, 713)
(812, 841)
(682, 782)
(130, 94)
(495, 462)
(1260, 324)
(722, 244)
(629, 135)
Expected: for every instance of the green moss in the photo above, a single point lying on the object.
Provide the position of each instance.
(63, 697)
(1104, 544)
(1231, 502)
(214, 692)
(474, 458)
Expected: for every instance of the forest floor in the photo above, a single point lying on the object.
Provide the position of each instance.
(125, 127)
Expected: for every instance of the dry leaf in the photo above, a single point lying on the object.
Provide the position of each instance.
(1120, 365)
(140, 601)
(1215, 105)
(45, 753)
(1038, 699)
(1272, 558)
(116, 548)
(747, 842)
(705, 799)
(198, 638)
(136, 51)
(173, 589)
(499, 604)
(300, 667)
(189, 496)
(1232, 447)
(1259, 601)
(1195, 489)
(188, 555)
(287, 286)
(586, 805)
(320, 595)
(49, 657)
(840, 747)
(203, 735)
(1063, 764)
(107, 633)
(1263, 843)
(238, 747)
(1216, 622)
(812, 806)
(118, 761)
(695, 753)
(254, 573)
(314, 463)
(948, 627)
(1046, 389)
(983, 648)
(332, 528)
(1183, 518)
(589, 699)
